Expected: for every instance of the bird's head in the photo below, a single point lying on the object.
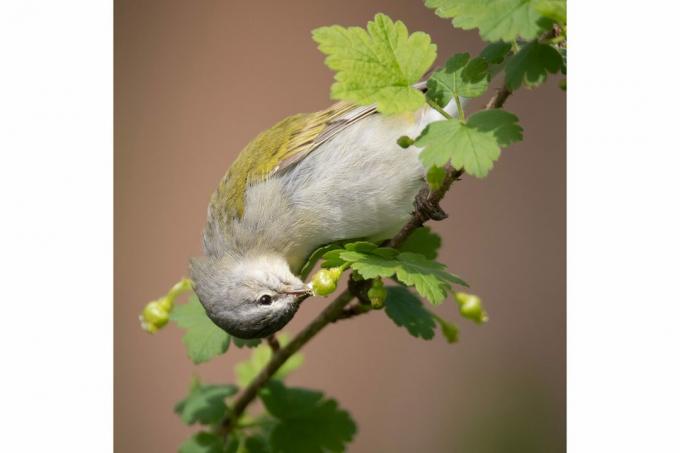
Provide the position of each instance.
(250, 297)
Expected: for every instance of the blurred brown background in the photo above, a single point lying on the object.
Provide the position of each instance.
(194, 82)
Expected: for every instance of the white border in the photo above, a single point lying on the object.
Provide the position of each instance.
(56, 194)
(623, 227)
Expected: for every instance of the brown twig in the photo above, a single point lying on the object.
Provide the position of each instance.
(336, 310)
(273, 343)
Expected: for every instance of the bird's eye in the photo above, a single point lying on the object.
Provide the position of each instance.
(265, 299)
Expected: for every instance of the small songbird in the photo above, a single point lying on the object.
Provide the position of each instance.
(310, 180)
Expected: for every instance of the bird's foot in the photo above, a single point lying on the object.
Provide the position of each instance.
(427, 207)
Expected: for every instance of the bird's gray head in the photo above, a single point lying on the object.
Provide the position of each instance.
(249, 297)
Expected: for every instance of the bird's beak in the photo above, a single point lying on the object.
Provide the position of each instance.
(297, 291)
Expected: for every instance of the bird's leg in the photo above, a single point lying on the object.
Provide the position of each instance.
(428, 208)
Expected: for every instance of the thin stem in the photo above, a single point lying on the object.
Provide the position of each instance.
(436, 106)
(273, 342)
(459, 106)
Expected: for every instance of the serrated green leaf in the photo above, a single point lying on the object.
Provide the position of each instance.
(205, 403)
(407, 311)
(531, 65)
(449, 330)
(430, 279)
(460, 76)
(250, 343)
(496, 52)
(474, 145)
(247, 370)
(500, 123)
(203, 339)
(203, 442)
(552, 9)
(422, 240)
(309, 423)
(497, 20)
(378, 65)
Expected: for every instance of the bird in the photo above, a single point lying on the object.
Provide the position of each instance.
(310, 180)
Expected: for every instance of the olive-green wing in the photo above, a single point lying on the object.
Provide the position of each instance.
(279, 147)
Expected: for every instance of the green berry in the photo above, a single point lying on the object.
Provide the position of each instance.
(323, 282)
(155, 314)
(405, 141)
(166, 303)
(336, 272)
(471, 307)
(151, 328)
(377, 294)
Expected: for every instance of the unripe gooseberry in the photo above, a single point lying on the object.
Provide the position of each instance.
(166, 303)
(471, 307)
(324, 282)
(377, 294)
(155, 314)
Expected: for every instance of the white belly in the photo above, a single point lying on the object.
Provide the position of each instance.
(360, 184)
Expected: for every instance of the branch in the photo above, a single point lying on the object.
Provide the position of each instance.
(328, 315)
(336, 310)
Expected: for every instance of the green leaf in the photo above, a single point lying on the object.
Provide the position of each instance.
(205, 403)
(474, 145)
(500, 123)
(497, 20)
(407, 311)
(460, 77)
(309, 423)
(378, 65)
(203, 339)
(203, 442)
(552, 9)
(496, 52)
(241, 343)
(449, 330)
(531, 65)
(314, 257)
(429, 278)
(256, 444)
(422, 240)
(247, 370)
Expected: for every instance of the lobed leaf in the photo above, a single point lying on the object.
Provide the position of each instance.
(422, 240)
(497, 20)
(430, 279)
(473, 145)
(496, 52)
(460, 76)
(203, 339)
(407, 311)
(377, 65)
(531, 65)
(205, 403)
(308, 422)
